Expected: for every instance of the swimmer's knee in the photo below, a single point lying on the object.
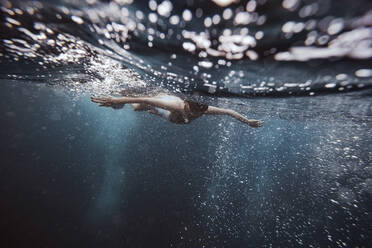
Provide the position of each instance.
(135, 106)
(139, 106)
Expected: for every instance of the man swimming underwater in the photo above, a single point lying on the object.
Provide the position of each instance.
(172, 108)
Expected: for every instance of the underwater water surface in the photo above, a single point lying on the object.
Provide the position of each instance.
(73, 174)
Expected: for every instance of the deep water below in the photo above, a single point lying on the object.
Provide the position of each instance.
(76, 175)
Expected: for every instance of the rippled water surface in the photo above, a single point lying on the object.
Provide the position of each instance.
(76, 175)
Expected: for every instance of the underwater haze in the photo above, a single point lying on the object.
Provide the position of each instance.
(73, 174)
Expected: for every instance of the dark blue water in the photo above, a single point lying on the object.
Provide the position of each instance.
(73, 174)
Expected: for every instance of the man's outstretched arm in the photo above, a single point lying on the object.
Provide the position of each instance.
(220, 111)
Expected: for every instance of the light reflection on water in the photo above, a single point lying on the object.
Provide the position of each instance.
(243, 48)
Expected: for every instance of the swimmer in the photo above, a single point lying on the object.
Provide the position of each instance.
(172, 108)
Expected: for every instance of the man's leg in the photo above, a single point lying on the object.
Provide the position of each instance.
(161, 102)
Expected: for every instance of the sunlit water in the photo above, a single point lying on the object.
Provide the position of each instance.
(76, 175)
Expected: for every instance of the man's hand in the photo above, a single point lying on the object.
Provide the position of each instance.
(256, 123)
(107, 101)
